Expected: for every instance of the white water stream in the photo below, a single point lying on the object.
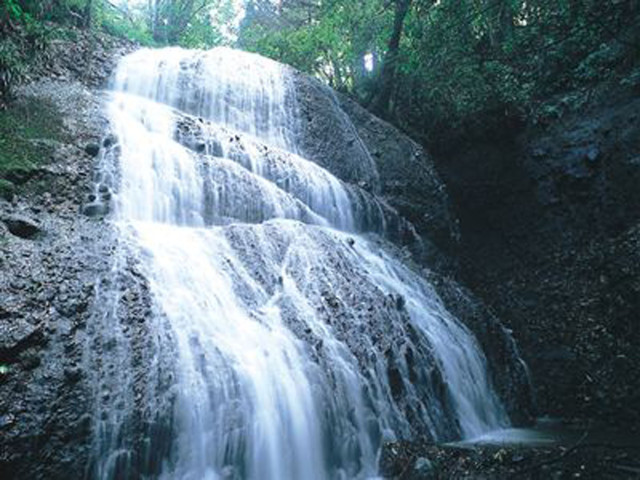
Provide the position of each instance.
(301, 344)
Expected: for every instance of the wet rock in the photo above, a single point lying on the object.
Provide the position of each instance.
(512, 384)
(423, 467)
(408, 181)
(22, 226)
(43, 390)
(395, 381)
(83, 426)
(7, 190)
(401, 459)
(400, 302)
(109, 141)
(92, 149)
(340, 135)
(30, 360)
(95, 210)
(593, 154)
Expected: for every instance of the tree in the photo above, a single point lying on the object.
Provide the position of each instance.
(451, 65)
(171, 19)
(380, 104)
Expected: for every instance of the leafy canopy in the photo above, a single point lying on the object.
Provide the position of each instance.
(460, 63)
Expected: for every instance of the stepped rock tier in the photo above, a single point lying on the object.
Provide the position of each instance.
(262, 288)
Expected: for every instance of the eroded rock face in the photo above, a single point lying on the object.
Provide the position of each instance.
(407, 181)
(75, 317)
(47, 288)
(408, 178)
(549, 221)
(344, 138)
(46, 285)
(210, 142)
(52, 264)
(510, 375)
(409, 194)
(22, 226)
(325, 134)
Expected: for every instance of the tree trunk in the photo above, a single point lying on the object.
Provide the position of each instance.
(381, 100)
(503, 24)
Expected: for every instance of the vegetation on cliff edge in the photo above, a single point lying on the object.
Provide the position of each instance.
(440, 66)
(435, 68)
(26, 130)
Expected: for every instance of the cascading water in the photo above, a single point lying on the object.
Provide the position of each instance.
(301, 345)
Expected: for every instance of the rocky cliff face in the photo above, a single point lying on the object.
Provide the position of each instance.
(549, 223)
(58, 254)
(410, 197)
(410, 184)
(337, 133)
(52, 261)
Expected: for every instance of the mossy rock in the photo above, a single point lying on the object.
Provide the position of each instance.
(21, 125)
(7, 189)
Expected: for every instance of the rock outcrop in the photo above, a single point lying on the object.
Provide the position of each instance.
(549, 221)
(47, 285)
(52, 263)
(72, 331)
(340, 135)
(346, 139)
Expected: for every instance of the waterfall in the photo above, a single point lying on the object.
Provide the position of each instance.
(301, 342)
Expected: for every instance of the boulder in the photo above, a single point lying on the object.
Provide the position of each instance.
(92, 149)
(22, 226)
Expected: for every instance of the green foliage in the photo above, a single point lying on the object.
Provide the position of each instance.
(12, 65)
(134, 30)
(200, 34)
(28, 26)
(25, 35)
(328, 39)
(7, 189)
(462, 63)
(191, 23)
(211, 27)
